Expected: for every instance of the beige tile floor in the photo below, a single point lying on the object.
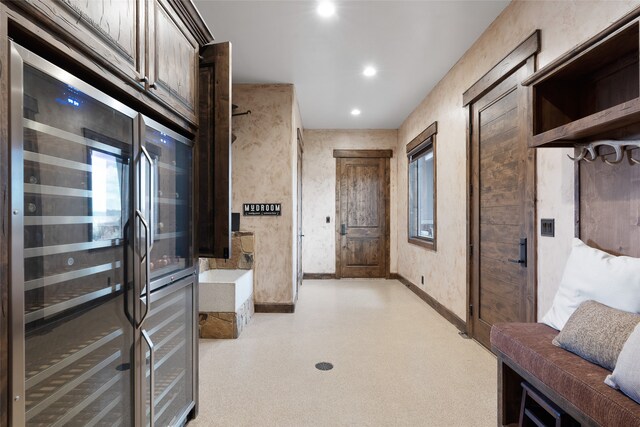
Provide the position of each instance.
(396, 363)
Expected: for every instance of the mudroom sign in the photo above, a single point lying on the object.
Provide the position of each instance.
(256, 209)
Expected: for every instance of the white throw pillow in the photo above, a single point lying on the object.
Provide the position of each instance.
(591, 274)
(626, 375)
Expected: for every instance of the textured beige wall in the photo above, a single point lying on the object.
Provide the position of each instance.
(319, 191)
(564, 24)
(262, 172)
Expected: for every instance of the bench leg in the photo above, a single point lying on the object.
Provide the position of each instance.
(509, 395)
(523, 406)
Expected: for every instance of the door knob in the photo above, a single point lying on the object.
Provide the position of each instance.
(523, 253)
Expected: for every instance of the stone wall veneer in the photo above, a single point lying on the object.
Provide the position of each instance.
(229, 325)
(226, 325)
(242, 256)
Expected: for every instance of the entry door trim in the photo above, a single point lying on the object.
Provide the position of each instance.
(516, 58)
(299, 235)
(523, 55)
(358, 154)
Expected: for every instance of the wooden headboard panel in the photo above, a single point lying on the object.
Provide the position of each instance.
(608, 205)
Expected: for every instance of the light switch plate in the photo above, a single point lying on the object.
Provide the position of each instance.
(548, 227)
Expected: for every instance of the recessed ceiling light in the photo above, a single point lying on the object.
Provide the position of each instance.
(326, 9)
(355, 112)
(370, 71)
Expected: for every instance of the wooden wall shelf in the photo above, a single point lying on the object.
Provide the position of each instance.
(592, 89)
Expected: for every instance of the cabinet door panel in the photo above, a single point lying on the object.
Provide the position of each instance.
(112, 30)
(213, 151)
(173, 62)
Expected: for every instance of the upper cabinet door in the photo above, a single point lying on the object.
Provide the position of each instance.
(112, 30)
(173, 60)
(152, 46)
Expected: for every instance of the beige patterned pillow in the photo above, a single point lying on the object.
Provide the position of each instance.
(626, 376)
(597, 333)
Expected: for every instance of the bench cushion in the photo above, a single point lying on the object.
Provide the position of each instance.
(580, 382)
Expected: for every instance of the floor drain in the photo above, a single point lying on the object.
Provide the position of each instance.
(324, 366)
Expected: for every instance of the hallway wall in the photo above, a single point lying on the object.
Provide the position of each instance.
(263, 171)
(319, 191)
(563, 25)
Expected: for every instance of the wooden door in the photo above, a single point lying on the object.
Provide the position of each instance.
(503, 205)
(299, 213)
(362, 212)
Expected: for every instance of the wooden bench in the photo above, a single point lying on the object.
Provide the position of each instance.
(525, 353)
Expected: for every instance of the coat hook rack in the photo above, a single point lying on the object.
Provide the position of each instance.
(235, 107)
(591, 151)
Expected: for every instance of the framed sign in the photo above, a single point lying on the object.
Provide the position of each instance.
(261, 209)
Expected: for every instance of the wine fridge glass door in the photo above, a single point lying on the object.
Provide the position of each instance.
(169, 354)
(72, 151)
(168, 203)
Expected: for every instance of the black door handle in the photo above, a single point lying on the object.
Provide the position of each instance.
(523, 253)
(343, 229)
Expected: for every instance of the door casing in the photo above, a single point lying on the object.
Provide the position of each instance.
(299, 213)
(524, 55)
(359, 154)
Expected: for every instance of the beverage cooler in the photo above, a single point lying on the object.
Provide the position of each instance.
(103, 285)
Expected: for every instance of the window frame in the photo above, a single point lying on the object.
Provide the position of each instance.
(417, 147)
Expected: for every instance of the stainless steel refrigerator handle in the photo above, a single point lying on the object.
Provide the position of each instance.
(147, 279)
(125, 286)
(146, 337)
(152, 207)
(153, 192)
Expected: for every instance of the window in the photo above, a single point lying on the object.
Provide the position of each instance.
(421, 153)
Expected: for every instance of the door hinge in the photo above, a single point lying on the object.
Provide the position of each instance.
(470, 310)
(471, 249)
(470, 190)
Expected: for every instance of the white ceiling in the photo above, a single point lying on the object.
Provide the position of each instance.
(412, 44)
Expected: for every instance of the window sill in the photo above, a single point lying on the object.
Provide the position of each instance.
(429, 244)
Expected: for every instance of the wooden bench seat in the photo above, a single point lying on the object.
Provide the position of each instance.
(525, 352)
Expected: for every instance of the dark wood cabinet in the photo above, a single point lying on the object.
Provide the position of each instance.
(591, 90)
(213, 153)
(151, 45)
(112, 31)
(142, 53)
(173, 60)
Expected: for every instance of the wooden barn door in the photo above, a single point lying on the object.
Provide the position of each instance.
(502, 195)
(362, 213)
